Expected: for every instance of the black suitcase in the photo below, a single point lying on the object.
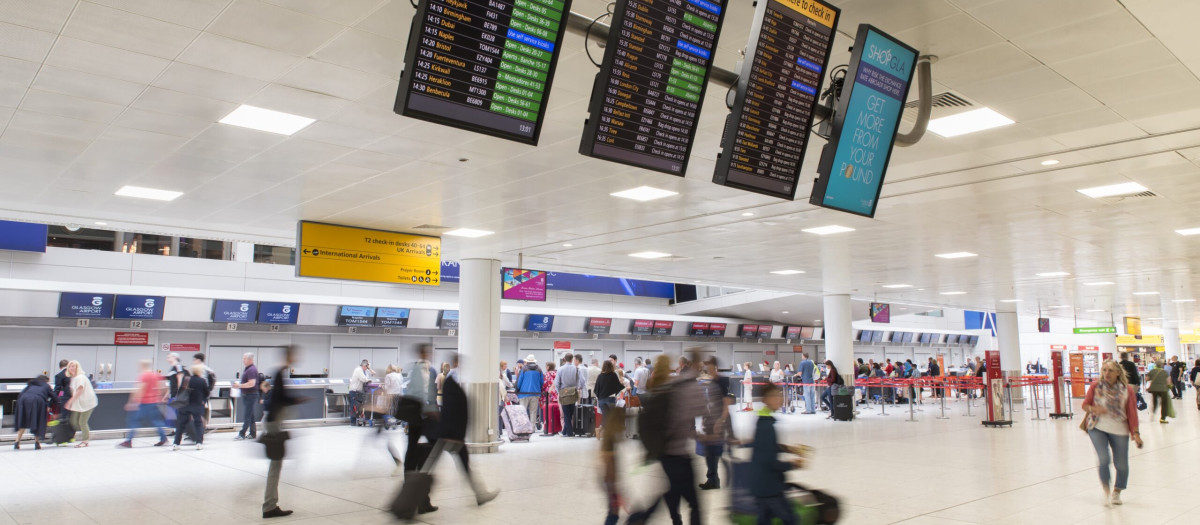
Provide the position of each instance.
(584, 423)
(843, 407)
(62, 432)
(416, 487)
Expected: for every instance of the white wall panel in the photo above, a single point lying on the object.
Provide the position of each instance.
(25, 352)
(187, 309)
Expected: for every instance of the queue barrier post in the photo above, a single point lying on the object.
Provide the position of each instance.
(943, 396)
(970, 404)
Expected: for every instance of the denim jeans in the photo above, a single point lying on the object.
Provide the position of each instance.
(248, 410)
(356, 402)
(775, 506)
(810, 399)
(1120, 455)
(568, 420)
(146, 412)
(827, 397)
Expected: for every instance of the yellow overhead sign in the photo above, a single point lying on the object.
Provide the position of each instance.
(1133, 325)
(361, 254)
(1140, 340)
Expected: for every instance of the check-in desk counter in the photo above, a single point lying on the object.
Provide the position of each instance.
(314, 400)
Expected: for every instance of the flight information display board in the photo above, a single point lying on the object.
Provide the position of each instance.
(483, 65)
(778, 88)
(647, 97)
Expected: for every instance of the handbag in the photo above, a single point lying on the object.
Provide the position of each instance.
(276, 444)
(1089, 422)
(181, 398)
(568, 395)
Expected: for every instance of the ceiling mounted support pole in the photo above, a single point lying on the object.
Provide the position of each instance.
(925, 101)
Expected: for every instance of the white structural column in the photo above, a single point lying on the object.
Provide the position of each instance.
(1009, 343)
(1171, 340)
(1108, 344)
(839, 334)
(479, 350)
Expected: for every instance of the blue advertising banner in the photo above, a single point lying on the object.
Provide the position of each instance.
(575, 282)
(278, 313)
(226, 311)
(73, 305)
(854, 162)
(139, 307)
(450, 272)
(540, 323)
(23, 236)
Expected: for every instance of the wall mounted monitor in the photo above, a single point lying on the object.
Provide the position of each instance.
(448, 319)
(908, 337)
(278, 313)
(698, 329)
(764, 331)
(877, 336)
(599, 325)
(973, 340)
(540, 323)
(766, 135)
(926, 338)
(646, 100)
(641, 327)
(793, 332)
(854, 161)
(864, 336)
(483, 66)
(663, 327)
(139, 307)
(23, 236)
(74, 305)
(808, 332)
(522, 285)
(363, 316)
(226, 311)
(896, 337)
(952, 339)
(716, 329)
(748, 331)
(391, 317)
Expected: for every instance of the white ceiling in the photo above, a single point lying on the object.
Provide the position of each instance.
(102, 93)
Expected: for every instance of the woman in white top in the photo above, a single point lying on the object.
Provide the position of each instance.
(393, 381)
(1112, 419)
(83, 401)
(776, 373)
(747, 388)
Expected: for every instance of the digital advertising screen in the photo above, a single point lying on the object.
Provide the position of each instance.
(522, 285)
(483, 65)
(764, 331)
(777, 91)
(391, 317)
(599, 325)
(74, 305)
(578, 282)
(793, 332)
(1044, 325)
(641, 327)
(748, 331)
(854, 162)
(663, 327)
(540, 323)
(140, 307)
(698, 329)
(363, 316)
(807, 332)
(646, 100)
(881, 313)
(716, 329)
(278, 313)
(226, 311)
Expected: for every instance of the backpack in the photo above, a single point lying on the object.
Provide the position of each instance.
(653, 422)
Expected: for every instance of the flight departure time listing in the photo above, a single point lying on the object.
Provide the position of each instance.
(483, 65)
(781, 82)
(648, 94)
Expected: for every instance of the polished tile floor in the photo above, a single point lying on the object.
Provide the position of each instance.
(883, 468)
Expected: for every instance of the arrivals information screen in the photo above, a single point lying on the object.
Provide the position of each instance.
(778, 89)
(483, 65)
(647, 96)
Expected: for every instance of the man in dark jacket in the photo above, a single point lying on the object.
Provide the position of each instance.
(282, 399)
(453, 431)
(767, 472)
(62, 384)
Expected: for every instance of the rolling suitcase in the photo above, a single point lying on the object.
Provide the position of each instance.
(585, 420)
(415, 489)
(843, 404)
(61, 432)
(516, 423)
(631, 422)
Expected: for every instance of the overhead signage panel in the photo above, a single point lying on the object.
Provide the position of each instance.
(641, 327)
(278, 313)
(23, 236)
(225, 311)
(716, 329)
(522, 285)
(748, 331)
(483, 65)
(599, 325)
(764, 331)
(331, 251)
(73, 305)
(854, 162)
(392, 317)
(448, 319)
(139, 307)
(778, 88)
(646, 100)
(362, 316)
(663, 327)
(540, 323)
(1096, 330)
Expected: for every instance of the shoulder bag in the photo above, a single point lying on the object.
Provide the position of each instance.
(181, 398)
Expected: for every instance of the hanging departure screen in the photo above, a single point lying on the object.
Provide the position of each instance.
(646, 100)
(778, 89)
(483, 65)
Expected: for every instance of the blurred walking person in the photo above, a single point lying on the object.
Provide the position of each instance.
(1158, 385)
(1111, 404)
(420, 415)
(281, 401)
(142, 407)
(715, 425)
(193, 412)
(82, 403)
(32, 406)
(248, 399)
(452, 431)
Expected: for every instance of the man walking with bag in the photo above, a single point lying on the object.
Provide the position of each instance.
(569, 383)
(281, 400)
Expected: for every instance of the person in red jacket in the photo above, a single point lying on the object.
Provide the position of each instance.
(1111, 405)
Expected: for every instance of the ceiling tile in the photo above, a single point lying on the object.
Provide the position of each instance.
(334, 80)
(344, 12)
(209, 83)
(1156, 82)
(297, 101)
(44, 15)
(1047, 104)
(1116, 28)
(1094, 68)
(123, 30)
(1017, 18)
(24, 43)
(981, 64)
(70, 53)
(1024, 84)
(330, 133)
(892, 17)
(176, 103)
(274, 27)
(68, 106)
(196, 14)
(365, 51)
(394, 18)
(248, 60)
(56, 125)
(87, 85)
(16, 71)
(177, 125)
(949, 36)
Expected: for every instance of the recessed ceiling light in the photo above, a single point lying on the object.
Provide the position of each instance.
(968, 122)
(1113, 190)
(148, 193)
(1049, 162)
(954, 293)
(1100, 283)
(1145, 293)
(266, 120)
(897, 286)
(1188, 231)
(650, 255)
(695, 281)
(469, 233)
(828, 230)
(816, 320)
(1096, 311)
(98, 223)
(787, 272)
(1054, 274)
(644, 193)
(748, 214)
(956, 255)
(1010, 300)
(1184, 301)
(567, 245)
(785, 311)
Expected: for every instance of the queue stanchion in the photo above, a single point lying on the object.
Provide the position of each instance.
(882, 398)
(970, 402)
(912, 414)
(943, 397)
(1037, 412)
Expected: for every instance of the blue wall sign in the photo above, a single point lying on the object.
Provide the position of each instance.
(139, 307)
(85, 305)
(279, 313)
(540, 323)
(226, 311)
(23, 236)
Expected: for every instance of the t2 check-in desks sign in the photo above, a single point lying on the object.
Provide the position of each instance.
(331, 251)
(646, 100)
(483, 65)
(854, 162)
(767, 132)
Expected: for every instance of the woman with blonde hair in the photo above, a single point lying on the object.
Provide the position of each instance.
(1111, 405)
(82, 402)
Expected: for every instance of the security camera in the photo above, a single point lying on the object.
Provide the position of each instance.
(73, 227)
